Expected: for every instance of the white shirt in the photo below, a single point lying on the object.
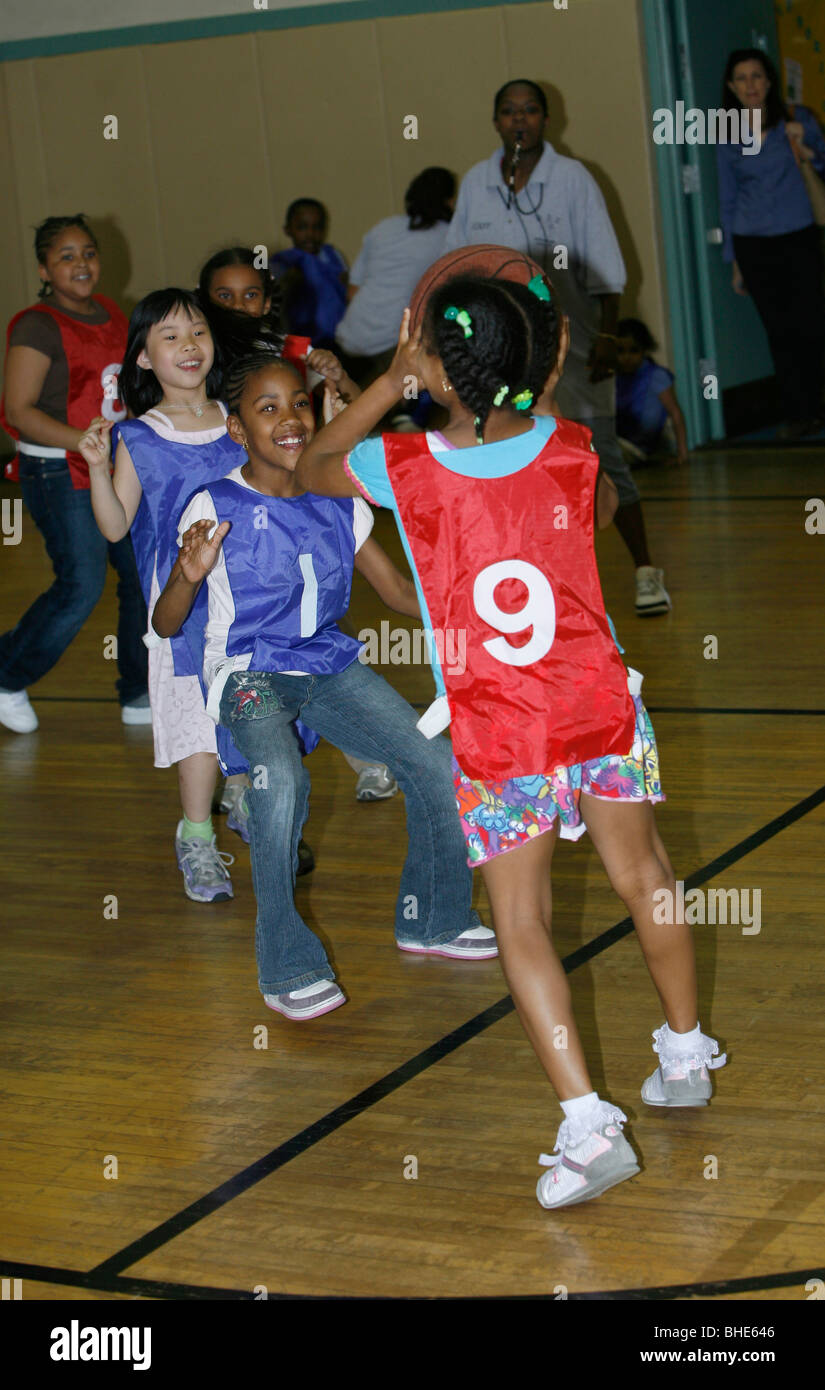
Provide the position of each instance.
(389, 265)
(217, 664)
(560, 206)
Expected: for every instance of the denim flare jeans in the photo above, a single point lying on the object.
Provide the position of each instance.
(63, 515)
(358, 712)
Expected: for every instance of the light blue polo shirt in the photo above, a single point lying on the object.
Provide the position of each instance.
(390, 263)
(560, 206)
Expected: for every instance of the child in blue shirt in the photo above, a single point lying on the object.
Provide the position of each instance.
(279, 570)
(648, 416)
(314, 274)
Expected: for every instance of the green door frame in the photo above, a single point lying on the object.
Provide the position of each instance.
(679, 229)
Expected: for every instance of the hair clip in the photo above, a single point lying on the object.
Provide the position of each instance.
(537, 287)
(500, 395)
(523, 400)
(461, 317)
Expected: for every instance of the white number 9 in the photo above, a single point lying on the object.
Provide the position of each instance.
(539, 612)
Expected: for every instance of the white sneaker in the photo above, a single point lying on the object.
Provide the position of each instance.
(651, 595)
(587, 1160)
(16, 712)
(682, 1078)
(137, 711)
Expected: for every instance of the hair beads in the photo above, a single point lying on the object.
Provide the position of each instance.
(490, 333)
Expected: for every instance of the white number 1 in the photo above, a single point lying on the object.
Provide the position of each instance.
(538, 612)
(309, 598)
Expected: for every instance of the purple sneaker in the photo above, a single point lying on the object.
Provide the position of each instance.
(205, 877)
(238, 818)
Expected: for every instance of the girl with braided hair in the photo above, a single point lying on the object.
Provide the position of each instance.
(549, 732)
(278, 570)
(233, 288)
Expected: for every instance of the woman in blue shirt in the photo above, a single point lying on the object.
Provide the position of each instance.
(771, 235)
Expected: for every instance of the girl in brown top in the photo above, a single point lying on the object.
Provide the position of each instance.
(62, 362)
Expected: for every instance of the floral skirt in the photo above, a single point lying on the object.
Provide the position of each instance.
(499, 816)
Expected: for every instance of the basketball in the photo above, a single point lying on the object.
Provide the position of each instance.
(486, 261)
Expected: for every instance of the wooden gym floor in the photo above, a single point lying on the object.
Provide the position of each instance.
(240, 1167)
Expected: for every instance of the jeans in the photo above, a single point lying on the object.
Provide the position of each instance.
(358, 712)
(78, 552)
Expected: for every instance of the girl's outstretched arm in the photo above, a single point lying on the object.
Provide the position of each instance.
(321, 465)
(387, 581)
(196, 557)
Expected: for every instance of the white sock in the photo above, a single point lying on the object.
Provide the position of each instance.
(576, 1109)
(684, 1042)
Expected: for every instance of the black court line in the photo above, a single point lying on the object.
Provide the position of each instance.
(305, 1139)
(163, 1289)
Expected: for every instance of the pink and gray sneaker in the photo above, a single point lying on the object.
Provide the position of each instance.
(476, 943)
(309, 1002)
(683, 1076)
(589, 1157)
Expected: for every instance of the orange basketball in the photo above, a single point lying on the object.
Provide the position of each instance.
(487, 262)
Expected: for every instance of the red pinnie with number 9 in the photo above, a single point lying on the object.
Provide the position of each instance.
(549, 732)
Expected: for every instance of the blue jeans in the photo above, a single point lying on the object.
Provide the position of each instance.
(78, 552)
(361, 714)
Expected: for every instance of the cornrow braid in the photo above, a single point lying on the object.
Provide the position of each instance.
(238, 374)
(513, 341)
(493, 354)
(542, 320)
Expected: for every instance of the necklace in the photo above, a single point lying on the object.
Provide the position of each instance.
(196, 410)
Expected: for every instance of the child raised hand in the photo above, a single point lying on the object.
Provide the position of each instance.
(197, 555)
(95, 444)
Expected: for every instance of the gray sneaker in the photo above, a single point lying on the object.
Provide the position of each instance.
(205, 876)
(375, 783)
(238, 818)
(309, 1002)
(651, 595)
(587, 1159)
(682, 1079)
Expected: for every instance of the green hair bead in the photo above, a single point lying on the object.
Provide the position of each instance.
(501, 395)
(462, 318)
(538, 287)
(523, 400)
